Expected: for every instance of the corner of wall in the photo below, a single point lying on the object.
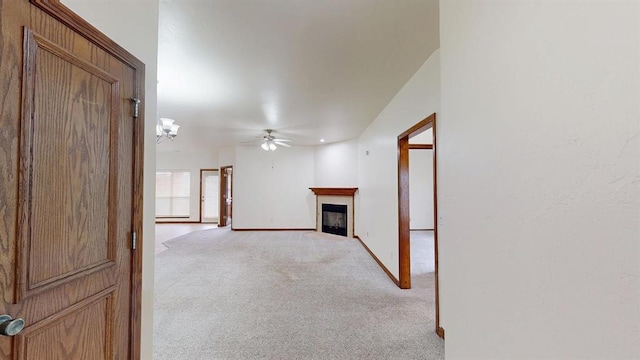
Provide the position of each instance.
(377, 200)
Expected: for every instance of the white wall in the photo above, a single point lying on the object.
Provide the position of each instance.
(192, 162)
(421, 189)
(539, 179)
(425, 137)
(421, 183)
(227, 156)
(140, 37)
(336, 165)
(377, 207)
(271, 189)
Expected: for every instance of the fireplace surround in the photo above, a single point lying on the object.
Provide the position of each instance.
(335, 209)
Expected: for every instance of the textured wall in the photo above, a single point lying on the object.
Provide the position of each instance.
(336, 165)
(271, 189)
(539, 179)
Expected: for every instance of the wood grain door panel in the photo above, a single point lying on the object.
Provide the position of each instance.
(81, 331)
(66, 146)
(71, 172)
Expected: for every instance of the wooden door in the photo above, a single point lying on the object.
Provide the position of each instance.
(209, 194)
(226, 198)
(70, 169)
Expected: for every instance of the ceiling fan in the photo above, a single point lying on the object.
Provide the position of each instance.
(271, 143)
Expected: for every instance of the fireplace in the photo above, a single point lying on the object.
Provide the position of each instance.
(334, 219)
(335, 211)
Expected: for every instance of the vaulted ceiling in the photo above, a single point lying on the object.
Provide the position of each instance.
(310, 69)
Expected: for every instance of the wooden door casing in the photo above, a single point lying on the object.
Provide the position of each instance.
(404, 237)
(226, 196)
(71, 165)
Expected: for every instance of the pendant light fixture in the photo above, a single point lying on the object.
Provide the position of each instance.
(166, 129)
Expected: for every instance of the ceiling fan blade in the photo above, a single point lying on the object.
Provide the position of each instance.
(281, 143)
(283, 140)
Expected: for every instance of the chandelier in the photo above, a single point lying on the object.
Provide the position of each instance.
(166, 129)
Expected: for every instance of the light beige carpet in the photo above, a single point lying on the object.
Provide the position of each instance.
(286, 295)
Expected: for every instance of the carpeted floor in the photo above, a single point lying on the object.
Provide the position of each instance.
(286, 295)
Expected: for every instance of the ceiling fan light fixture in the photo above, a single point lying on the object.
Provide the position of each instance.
(271, 143)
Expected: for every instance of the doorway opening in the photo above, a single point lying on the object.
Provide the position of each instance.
(226, 196)
(209, 196)
(404, 206)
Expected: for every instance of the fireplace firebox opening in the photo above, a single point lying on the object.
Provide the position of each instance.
(334, 219)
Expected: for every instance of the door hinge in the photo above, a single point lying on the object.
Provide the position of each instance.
(134, 240)
(136, 107)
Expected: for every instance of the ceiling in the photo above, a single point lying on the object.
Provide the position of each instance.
(310, 69)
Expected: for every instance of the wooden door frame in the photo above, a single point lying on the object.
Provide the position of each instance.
(66, 16)
(223, 189)
(202, 193)
(404, 242)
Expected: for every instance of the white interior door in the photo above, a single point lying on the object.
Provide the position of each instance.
(210, 192)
